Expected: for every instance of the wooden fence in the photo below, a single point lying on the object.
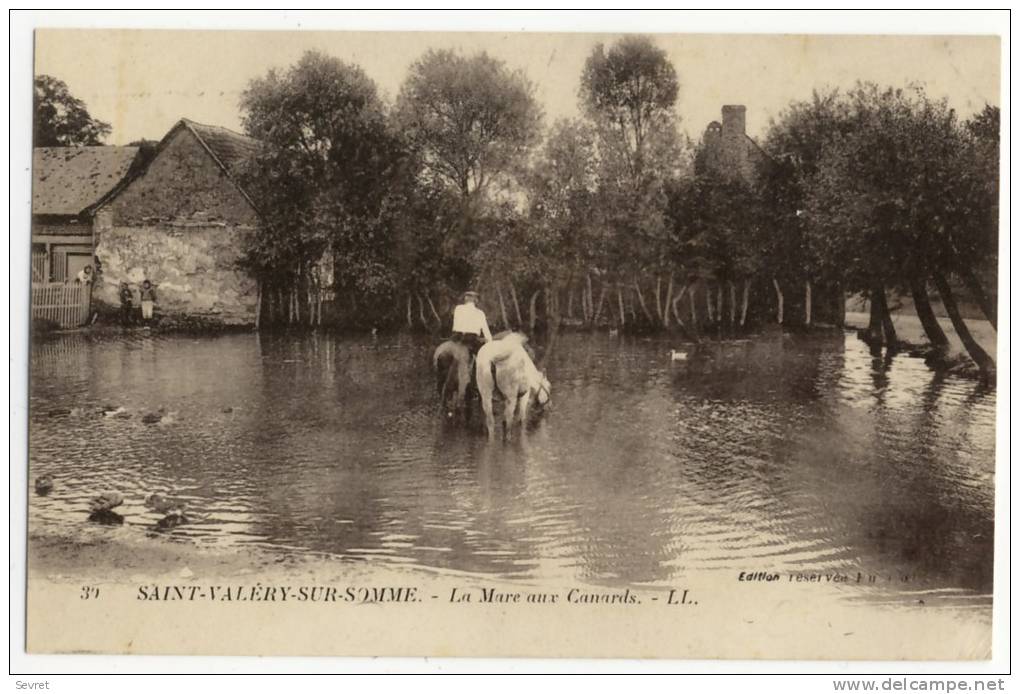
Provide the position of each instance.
(67, 305)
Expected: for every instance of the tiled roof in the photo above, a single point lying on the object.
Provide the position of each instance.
(229, 147)
(67, 180)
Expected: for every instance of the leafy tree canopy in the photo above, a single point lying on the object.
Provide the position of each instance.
(471, 119)
(62, 120)
(630, 91)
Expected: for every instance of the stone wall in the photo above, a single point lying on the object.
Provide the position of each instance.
(193, 269)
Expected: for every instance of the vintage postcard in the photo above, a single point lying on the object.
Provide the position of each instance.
(513, 344)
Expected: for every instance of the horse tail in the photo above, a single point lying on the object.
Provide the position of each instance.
(441, 351)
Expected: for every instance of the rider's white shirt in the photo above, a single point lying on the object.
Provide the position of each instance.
(468, 318)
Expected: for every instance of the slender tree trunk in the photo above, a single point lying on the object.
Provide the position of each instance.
(502, 308)
(973, 285)
(936, 335)
(644, 307)
(743, 302)
(874, 333)
(531, 307)
(694, 314)
(570, 302)
(976, 352)
(779, 301)
(658, 298)
(888, 329)
(517, 306)
(421, 312)
(590, 298)
(807, 302)
(410, 320)
(602, 301)
(675, 303)
(435, 313)
(311, 304)
(733, 304)
(551, 310)
(669, 302)
(619, 302)
(585, 309)
(708, 303)
(719, 303)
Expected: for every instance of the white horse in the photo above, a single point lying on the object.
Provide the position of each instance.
(517, 378)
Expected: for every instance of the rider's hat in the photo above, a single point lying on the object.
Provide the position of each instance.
(470, 294)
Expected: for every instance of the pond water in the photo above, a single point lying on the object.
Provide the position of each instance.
(779, 454)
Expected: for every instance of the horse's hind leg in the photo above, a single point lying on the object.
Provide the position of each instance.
(463, 379)
(447, 390)
(522, 404)
(510, 407)
(490, 421)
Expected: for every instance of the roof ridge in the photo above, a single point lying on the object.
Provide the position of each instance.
(225, 129)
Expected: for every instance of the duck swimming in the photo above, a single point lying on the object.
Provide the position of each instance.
(43, 485)
(162, 504)
(107, 501)
(172, 519)
(172, 510)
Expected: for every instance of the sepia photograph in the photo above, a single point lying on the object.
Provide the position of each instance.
(520, 344)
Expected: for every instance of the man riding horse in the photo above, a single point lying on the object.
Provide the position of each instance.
(470, 328)
(454, 358)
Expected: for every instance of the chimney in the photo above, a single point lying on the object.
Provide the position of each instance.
(734, 121)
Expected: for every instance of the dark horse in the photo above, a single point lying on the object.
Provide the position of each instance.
(452, 364)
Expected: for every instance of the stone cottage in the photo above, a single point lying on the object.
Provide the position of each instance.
(181, 223)
(66, 183)
(727, 149)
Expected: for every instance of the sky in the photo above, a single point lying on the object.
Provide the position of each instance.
(143, 81)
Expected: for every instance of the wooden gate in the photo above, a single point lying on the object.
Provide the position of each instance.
(67, 305)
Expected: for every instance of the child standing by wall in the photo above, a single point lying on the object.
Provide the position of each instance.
(127, 301)
(148, 298)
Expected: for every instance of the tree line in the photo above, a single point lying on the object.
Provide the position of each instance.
(384, 213)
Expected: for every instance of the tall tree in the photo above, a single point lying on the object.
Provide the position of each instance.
(325, 166)
(791, 244)
(62, 120)
(471, 119)
(630, 92)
